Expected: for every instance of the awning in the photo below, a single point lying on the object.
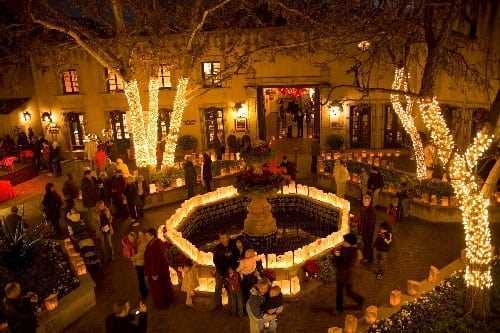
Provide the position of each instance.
(7, 105)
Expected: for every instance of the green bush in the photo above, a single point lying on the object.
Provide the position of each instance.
(187, 142)
(334, 141)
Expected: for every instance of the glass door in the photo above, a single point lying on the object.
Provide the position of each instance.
(214, 125)
(360, 126)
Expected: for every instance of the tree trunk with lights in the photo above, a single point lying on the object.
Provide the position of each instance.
(473, 204)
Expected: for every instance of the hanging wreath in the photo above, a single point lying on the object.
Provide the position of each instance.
(292, 92)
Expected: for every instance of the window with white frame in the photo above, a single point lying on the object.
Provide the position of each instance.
(114, 81)
(164, 77)
(76, 129)
(119, 125)
(163, 122)
(210, 72)
(70, 82)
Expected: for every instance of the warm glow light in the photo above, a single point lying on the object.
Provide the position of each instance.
(473, 203)
(152, 119)
(404, 114)
(140, 138)
(364, 45)
(180, 103)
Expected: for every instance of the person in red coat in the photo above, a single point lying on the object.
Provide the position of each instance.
(157, 270)
(100, 159)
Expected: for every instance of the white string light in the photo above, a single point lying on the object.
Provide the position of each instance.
(473, 203)
(136, 119)
(180, 103)
(407, 121)
(152, 119)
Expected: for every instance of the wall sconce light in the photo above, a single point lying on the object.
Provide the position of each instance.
(335, 109)
(26, 116)
(241, 110)
(47, 117)
(364, 45)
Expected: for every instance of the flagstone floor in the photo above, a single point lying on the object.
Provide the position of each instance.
(417, 245)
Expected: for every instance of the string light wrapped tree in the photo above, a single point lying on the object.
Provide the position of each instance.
(473, 202)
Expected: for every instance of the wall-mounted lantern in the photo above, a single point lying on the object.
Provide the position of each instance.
(47, 117)
(26, 116)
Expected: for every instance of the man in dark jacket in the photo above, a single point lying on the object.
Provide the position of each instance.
(13, 222)
(225, 257)
(20, 310)
(90, 196)
(118, 185)
(345, 259)
(189, 177)
(70, 192)
(122, 321)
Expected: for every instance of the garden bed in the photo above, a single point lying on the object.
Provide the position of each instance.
(442, 310)
(48, 272)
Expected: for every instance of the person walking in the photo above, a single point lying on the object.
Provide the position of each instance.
(20, 310)
(189, 176)
(341, 175)
(156, 269)
(382, 246)
(55, 159)
(225, 257)
(190, 280)
(52, 204)
(118, 185)
(368, 221)
(37, 153)
(106, 228)
(142, 192)
(345, 259)
(103, 184)
(206, 172)
(70, 192)
(90, 196)
(133, 200)
(300, 123)
(364, 182)
(137, 258)
(122, 320)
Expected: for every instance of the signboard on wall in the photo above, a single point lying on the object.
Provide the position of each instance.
(189, 122)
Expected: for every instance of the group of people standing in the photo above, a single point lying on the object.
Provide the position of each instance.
(239, 270)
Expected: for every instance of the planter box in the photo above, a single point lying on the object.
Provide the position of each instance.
(71, 307)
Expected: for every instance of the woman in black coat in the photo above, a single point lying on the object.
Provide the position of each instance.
(207, 172)
(52, 204)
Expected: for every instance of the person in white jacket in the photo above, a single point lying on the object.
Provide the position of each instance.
(341, 175)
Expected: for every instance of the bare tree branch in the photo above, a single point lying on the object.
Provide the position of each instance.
(202, 22)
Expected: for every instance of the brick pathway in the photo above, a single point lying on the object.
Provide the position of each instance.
(417, 245)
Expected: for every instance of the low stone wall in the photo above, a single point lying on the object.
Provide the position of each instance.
(418, 209)
(178, 194)
(70, 308)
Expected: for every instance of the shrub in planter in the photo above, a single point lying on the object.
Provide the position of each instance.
(334, 141)
(187, 143)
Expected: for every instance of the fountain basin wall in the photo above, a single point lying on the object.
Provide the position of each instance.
(286, 265)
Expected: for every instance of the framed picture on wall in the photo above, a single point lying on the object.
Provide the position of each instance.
(240, 124)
